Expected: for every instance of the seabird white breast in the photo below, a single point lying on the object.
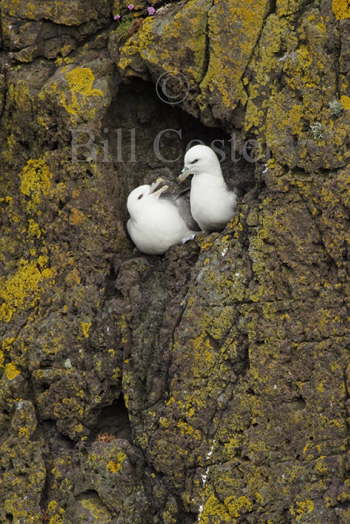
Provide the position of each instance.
(212, 202)
(156, 222)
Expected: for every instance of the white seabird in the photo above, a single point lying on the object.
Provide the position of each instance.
(212, 202)
(156, 223)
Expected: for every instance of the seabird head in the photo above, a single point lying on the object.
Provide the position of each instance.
(200, 159)
(142, 195)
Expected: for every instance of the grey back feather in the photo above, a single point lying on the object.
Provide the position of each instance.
(182, 202)
(181, 199)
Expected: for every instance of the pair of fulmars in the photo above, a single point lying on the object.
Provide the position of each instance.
(158, 221)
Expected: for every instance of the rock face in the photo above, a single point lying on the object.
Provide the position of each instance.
(212, 384)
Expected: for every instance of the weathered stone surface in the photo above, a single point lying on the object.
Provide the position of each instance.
(304, 117)
(76, 12)
(51, 28)
(197, 53)
(23, 471)
(209, 385)
(233, 30)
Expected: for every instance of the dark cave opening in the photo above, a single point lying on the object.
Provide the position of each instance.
(113, 420)
(145, 138)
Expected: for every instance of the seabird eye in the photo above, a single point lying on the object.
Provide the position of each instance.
(194, 161)
(139, 197)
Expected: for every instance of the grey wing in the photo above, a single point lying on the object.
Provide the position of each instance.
(181, 199)
(182, 202)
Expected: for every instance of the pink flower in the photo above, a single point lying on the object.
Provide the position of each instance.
(151, 10)
(117, 17)
(131, 7)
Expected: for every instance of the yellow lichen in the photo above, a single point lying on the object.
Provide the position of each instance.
(186, 429)
(7, 199)
(14, 507)
(259, 498)
(34, 228)
(320, 465)
(232, 445)
(116, 465)
(24, 432)
(22, 288)
(345, 102)
(123, 327)
(320, 387)
(214, 511)
(76, 217)
(52, 505)
(341, 9)
(224, 74)
(85, 328)
(80, 82)
(57, 518)
(191, 20)
(113, 466)
(11, 372)
(117, 373)
(78, 428)
(6, 345)
(98, 512)
(237, 506)
(302, 507)
(35, 182)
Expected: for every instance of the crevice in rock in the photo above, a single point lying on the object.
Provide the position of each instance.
(3, 72)
(110, 289)
(56, 444)
(337, 67)
(207, 48)
(272, 7)
(114, 421)
(347, 404)
(270, 11)
(187, 518)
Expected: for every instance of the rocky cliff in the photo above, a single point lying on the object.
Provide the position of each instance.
(209, 385)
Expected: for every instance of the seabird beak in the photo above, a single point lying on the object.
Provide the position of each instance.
(160, 191)
(184, 174)
(156, 184)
